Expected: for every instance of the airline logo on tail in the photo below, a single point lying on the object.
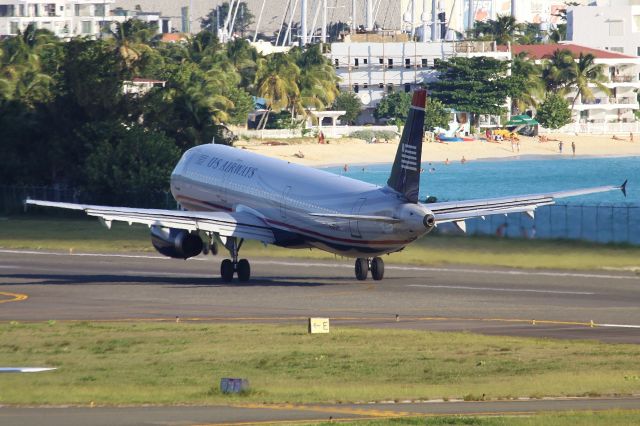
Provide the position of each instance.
(409, 157)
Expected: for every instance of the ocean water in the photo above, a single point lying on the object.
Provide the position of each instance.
(496, 178)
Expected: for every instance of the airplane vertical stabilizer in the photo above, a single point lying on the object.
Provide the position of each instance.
(405, 174)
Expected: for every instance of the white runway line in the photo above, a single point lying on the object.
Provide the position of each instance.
(348, 266)
(458, 287)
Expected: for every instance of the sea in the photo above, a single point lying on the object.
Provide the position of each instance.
(526, 175)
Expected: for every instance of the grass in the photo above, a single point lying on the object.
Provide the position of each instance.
(88, 235)
(612, 417)
(175, 363)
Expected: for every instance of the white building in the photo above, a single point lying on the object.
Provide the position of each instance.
(67, 18)
(611, 25)
(607, 112)
(372, 69)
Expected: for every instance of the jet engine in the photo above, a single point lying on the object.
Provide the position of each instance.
(176, 243)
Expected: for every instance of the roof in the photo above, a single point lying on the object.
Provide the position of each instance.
(545, 51)
(173, 37)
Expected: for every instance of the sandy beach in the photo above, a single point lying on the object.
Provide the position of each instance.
(355, 151)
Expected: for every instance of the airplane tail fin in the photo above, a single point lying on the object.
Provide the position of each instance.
(405, 174)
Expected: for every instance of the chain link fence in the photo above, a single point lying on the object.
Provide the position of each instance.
(602, 223)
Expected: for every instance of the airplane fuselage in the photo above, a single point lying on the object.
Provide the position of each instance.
(283, 194)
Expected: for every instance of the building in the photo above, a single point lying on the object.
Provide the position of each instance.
(610, 25)
(372, 69)
(611, 112)
(70, 18)
(140, 86)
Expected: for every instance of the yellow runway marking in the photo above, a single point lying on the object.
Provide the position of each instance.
(330, 409)
(15, 297)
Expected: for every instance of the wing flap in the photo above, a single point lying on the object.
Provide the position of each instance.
(385, 219)
(234, 224)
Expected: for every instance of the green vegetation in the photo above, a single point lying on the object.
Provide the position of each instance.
(368, 135)
(171, 363)
(554, 112)
(350, 103)
(89, 236)
(613, 417)
(436, 115)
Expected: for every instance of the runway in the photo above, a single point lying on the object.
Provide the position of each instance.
(285, 413)
(40, 286)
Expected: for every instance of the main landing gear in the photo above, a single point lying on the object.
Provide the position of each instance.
(375, 265)
(229, 267)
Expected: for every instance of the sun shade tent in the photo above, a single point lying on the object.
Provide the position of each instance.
(521, 120)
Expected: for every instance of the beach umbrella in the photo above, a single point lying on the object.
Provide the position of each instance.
(521, 120)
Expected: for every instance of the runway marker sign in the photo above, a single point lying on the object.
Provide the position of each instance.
(318, 325)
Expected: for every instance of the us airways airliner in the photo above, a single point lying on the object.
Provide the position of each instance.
(231, 195)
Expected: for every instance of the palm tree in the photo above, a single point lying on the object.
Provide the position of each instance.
(559, 71)
(529, 72)
(588, 73)
(276, 81)
(243, 57)
(131, 39)
(502, 30)
(318, 80)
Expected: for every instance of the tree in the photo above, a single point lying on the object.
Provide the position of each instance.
(502, 29)
(554, 112)
(478, 85)
(131, 40)
(127, 157)
(559, 33)
(394, 107)
(317, 81)
(559, 71)
(588, 74)
(435, 115)
(276, 81)
(349, 102)
(244, 18)
(528, 72)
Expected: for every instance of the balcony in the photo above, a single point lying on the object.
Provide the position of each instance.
(624, 79)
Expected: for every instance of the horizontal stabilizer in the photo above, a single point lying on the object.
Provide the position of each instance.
(385, 219)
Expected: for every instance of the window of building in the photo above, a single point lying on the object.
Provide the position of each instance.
(13, 28)
(336, 63)
(86, 27)
(390, 62)
(636, 23)
(100, 10)
(355, 62)
(617, 49)
(364, 61)
(50, 9)
(407, 87)
(381, 60)
(77, 10)
(407, 63)
(381, 85)
(425, 63)
(638, 51)
(390, 88)
(616, 28)
(7, 11)
(356, 88)
(365, 85)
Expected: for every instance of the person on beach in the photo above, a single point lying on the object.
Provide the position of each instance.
(346, 168)
(463, 160)
(631, 137)
(560, 147)
(446, 162)
(573, 148)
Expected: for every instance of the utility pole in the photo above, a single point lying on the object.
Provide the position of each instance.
(434, 21)
(354, 26)
(369, 15)
(324, 21)
(303, 23)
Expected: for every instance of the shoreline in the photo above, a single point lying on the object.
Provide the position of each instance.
(355, 152)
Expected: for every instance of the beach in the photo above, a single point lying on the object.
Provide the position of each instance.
(355, 151)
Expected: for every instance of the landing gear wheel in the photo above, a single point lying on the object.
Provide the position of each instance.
(362, 268)
(226, 270)
(244, 270)
(377, 268)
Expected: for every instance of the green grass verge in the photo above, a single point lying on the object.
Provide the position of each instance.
(83, 235)
(174, 363)
(612, 417)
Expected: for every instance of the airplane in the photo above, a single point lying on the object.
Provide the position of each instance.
(232, 195)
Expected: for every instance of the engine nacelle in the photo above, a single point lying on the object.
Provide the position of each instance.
(176, 243)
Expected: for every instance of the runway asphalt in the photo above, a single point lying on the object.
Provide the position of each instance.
(277, 414)
(40, 286)
(36, 286)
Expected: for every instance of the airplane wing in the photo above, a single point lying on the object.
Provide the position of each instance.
(459, 211)
(234, 224)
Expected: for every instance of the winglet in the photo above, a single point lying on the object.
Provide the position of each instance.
(623, 187)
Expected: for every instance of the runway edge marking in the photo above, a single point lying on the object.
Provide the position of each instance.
(15, 297)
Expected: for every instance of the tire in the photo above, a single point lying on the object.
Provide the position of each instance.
(377, 268)
(226, 270)
(244, 270)
(362, 269)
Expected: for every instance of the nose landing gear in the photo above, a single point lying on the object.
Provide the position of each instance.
(363, 266)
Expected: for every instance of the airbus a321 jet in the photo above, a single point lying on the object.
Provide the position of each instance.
(231, 195)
